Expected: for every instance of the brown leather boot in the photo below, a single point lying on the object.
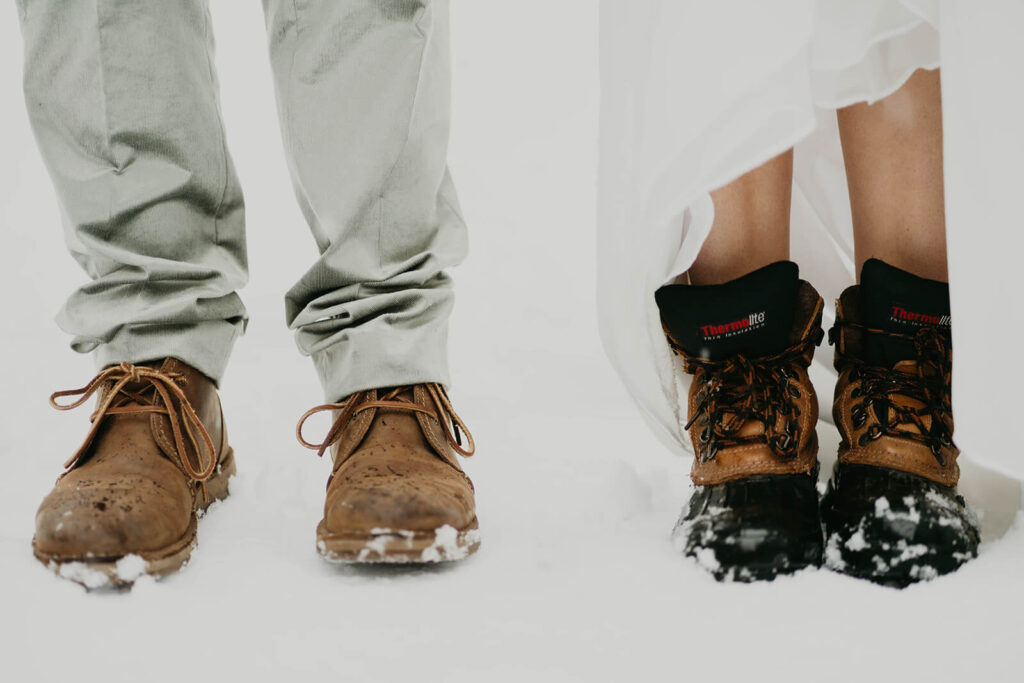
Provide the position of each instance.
(157, 454)
(396, 493)
(892, 513)
(754, 511)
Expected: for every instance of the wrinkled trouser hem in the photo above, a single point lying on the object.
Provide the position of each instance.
(373, 359)
(205, 346)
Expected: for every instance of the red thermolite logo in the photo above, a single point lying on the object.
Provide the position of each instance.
(902, 315)
(747, 324)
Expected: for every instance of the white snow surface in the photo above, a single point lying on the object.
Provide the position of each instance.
(576, 579)
(444, 546)
(130, 567)
(857, 541)
(83, 573)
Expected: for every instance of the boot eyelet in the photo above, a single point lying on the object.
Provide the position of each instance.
(874, 432)
(780, 444)
(709, 452)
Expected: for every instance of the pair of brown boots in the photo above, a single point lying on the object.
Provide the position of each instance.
(890, 513)
(157, 455)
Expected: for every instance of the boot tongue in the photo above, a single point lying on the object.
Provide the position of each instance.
(897, 301)
(752, 315)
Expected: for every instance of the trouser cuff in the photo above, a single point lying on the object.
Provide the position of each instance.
(205, 346)
(371, 359)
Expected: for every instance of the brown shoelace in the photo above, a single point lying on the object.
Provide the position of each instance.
(160, 394)
(929, 384)
(739, 389)
(451, 423)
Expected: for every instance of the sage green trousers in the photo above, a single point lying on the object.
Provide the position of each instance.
(123, 100)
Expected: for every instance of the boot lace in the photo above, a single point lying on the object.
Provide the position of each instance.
(159, 393)
(451, 424)
(929, 385)
(740, 389)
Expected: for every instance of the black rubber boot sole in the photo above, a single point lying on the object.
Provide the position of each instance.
(753, 529)
(895, 528)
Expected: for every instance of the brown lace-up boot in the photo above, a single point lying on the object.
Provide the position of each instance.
(891, 512)
(396, 493)
(156, 455)
(752, 415)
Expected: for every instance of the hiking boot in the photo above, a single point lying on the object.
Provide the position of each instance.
(752, 414)
(892, 513)
(156, 456)
(396, 492)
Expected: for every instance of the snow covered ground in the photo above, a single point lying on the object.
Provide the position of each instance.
(576, 579)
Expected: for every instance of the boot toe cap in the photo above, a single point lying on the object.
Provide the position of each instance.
(755, 529)
(88, 519)
(383, 496)
(895, 528)
(387, 508)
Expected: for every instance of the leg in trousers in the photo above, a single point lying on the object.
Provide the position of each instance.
(122, 97)
(363, 99)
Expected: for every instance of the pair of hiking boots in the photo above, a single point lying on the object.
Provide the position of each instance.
(157, 456)
(891, 512)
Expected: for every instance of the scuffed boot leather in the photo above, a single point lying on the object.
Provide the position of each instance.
(754, 513)
(396, 493)
(156, 455)
(892, 513)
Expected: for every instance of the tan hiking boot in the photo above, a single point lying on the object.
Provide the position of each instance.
(128, 503)
(396, 493)
(752, 413)
(892, 512)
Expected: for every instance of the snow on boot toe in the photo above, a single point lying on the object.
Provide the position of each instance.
(753, 529)
(895, 528)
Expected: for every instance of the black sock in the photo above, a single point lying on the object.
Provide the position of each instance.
(752, 314)
(897, 301)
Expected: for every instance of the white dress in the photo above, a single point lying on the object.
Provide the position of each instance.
(696, 93)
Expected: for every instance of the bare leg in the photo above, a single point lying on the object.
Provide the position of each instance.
(893, 155)
(751, 227)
